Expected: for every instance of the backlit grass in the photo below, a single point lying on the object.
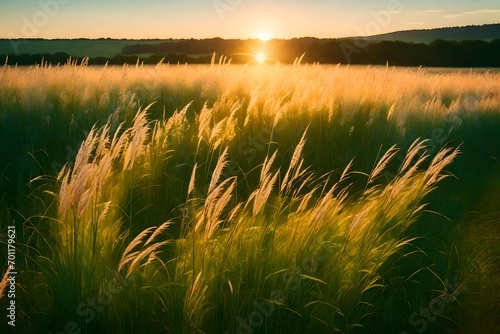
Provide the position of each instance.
(252, 199)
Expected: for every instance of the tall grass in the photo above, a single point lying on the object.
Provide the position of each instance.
(249, 199)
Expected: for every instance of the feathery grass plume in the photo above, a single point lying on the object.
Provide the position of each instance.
(84, 154)
(306, 181)
(214, 205)
(298, 60)
(213, 211)
(221, 164)
(5, 70)
(324, 204)
(407, 190)
(157, 232)
(4, 283)
(87, 178)
(64, 195)
(231, 122)
(417, 146)
(382, 163)
(204, 118)
(192, 179)
(147, 250)
(103, 142)
(172, 129)
(409, 168)
(252, 108)
(139, 134)
(263, 192)
(356, 220)
(438, 163)
(296, 160)
(235, 212)
(266, 166)
(306, 199)
(280, 111)
(75, 182)
(127, 255)
(266, 184)
(216, 135)
(346, 172)
(195, 308)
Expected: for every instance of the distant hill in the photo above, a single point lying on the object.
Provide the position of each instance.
(487, 32)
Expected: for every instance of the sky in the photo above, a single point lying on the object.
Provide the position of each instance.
(136, 19)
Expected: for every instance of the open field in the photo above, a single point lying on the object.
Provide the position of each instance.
(76, 48)
(250, 199)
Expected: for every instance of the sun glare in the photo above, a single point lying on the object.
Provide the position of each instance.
(260, 58)
(264, 36)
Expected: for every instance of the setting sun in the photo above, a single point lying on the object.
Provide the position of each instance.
(264, 36)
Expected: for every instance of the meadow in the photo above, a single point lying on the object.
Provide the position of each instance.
(250, 199)
(75, 47)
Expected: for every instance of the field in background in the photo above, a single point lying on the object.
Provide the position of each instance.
(252, 199)
(76, 48)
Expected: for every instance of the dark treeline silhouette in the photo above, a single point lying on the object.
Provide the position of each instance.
(440, 53)
(185, 46)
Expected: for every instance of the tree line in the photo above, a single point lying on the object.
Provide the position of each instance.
(440, 53)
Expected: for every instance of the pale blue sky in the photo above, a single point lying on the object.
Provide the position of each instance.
(234, 18)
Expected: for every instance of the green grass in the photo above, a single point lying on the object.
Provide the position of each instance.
(75, 48)
(254, 199)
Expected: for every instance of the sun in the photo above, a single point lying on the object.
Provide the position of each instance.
(260, 58)
(264, 36)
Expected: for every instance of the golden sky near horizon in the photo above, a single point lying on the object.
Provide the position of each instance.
(234, 18)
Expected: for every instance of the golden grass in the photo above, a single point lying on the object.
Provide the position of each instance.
(4, 283)
(260, 169)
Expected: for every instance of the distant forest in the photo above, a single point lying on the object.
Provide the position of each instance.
(439, 53)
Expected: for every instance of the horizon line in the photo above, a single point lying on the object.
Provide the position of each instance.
(247, 38)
